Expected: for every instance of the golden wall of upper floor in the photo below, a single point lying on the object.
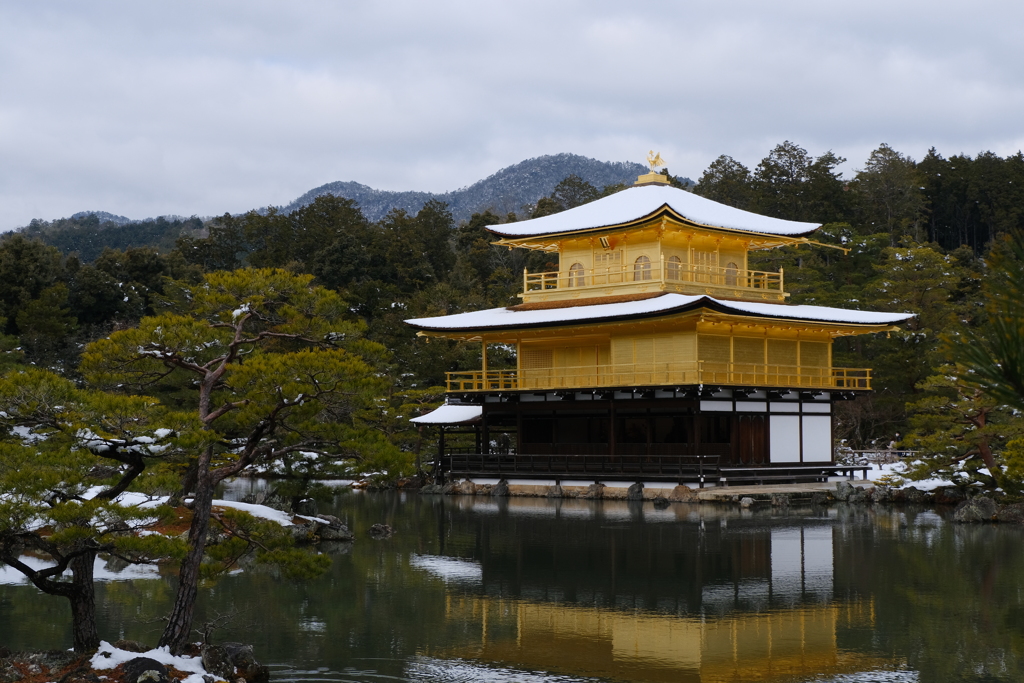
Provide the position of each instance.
(660, 256)
(685, 352)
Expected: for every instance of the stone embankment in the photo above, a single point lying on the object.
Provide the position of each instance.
(596, 491)
(969, 507)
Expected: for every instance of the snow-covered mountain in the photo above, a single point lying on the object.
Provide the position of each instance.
(508, 190)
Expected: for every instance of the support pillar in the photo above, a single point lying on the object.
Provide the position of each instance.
(438, 473)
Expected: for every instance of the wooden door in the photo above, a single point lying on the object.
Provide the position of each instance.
(752, 439)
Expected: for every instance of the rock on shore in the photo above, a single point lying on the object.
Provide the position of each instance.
(132, 662)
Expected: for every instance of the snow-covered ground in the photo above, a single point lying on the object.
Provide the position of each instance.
(110, 657)
(261, 511)
(898, 469)
(10, 576)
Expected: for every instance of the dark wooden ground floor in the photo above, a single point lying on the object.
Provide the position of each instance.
(638, 436)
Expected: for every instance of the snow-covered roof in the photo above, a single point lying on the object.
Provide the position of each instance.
(450, 415)
(637, 203)
(504, 318)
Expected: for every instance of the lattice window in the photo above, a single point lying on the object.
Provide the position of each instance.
(672, 348)
(643, 351)
(748, 350)
(814, 354)
(714, 348)
(537, 359)
(782, 352)
(622, 353)
(576, 356)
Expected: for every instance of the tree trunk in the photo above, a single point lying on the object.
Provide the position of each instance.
(80, 591)
(83, 604)
(188, 484)
(178, 631)
(986, 451)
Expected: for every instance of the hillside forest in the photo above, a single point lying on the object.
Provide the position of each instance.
(922, 237)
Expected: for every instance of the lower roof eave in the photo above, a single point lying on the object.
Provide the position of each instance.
(494, 323)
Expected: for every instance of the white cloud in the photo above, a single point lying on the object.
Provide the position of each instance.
(206, 107)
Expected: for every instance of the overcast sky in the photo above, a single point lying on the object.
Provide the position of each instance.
(146, 109)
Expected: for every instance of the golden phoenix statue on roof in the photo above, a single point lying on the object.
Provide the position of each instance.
(654, 160)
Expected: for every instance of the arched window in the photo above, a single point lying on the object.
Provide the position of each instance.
(576, 276)
(674, 268)
(731, 273)
(642, 268)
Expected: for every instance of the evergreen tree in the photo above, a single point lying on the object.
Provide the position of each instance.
(957, 430)
(726, 181)
(405, 255)
(269, 365)
(44, 324)
(224, 248)
(58, 504)
(473, 245)
(27, 267)
(270, 239)
(890, 190)
(994, 352)
(779, 182)
(320, 223)
(573, 191)
(546, 206)
(826, 199)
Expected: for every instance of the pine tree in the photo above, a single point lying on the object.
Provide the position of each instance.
(60, 491)
(269, 365)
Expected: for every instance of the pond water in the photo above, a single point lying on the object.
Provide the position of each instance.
(540, 590)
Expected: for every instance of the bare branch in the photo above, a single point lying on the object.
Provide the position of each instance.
(224, 409)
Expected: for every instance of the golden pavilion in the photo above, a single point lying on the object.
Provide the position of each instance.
(653, 353)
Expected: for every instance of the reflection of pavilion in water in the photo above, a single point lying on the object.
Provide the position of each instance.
(721, 598)
(778, 645)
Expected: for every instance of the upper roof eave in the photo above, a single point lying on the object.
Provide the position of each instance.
(664, 209)
(642, 203)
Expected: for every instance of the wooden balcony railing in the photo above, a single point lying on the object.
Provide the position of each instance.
(661, 374)
(663, 271)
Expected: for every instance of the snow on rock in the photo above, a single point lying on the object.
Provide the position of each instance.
(12, 577)
(128, 498)
(110, 657)
(132, 499)
(141, 500)
(261, 511)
